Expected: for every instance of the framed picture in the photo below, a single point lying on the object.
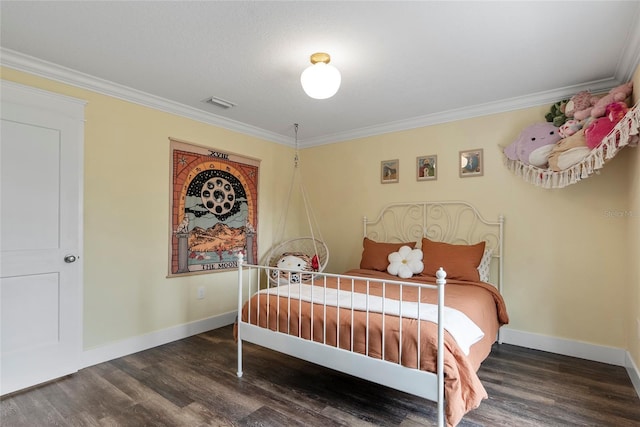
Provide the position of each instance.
(471, 163)
(426, 168)
(213, 209)
(389, 171)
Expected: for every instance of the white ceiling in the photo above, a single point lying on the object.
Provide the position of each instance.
(403, 64)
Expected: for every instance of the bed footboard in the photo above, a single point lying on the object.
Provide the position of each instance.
(336, 321)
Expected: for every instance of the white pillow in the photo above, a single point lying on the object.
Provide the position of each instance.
(485, 264)
(405, 263)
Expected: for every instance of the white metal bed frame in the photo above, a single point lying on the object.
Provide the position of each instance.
(455, 222)
(450, 221)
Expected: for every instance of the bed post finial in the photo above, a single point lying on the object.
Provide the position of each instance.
(240, 257)
(364, 226)
(440, 281)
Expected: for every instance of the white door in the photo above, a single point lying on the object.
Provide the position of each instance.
(41, 155)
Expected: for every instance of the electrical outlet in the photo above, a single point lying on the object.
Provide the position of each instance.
(201, 292)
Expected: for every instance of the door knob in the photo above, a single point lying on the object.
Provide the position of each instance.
(70, 258)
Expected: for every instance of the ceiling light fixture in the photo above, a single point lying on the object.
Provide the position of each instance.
(320, 80)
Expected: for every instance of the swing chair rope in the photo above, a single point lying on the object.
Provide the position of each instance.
(311, 219)
(279, 235)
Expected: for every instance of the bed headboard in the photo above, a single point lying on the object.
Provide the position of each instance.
(453, 222)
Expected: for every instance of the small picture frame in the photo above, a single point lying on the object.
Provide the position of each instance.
(471, 163)
(390, 171)
(427, 168)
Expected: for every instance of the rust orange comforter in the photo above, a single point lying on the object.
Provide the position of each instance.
(481, 302)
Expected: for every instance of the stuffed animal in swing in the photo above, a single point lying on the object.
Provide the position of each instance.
(405, 263)
(298, 263)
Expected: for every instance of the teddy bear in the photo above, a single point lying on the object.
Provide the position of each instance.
(617, 94)
(533, 145)
(600, 127)
(580, 105)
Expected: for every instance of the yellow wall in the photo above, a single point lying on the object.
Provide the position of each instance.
(634, 245)
(566, 266)
(566, 258)
(126, 215)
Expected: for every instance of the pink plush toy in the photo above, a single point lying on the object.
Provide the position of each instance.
(616, 94)
(569, 128)
(616, 111)
(600, 127)
(580, 105)
(534, 144)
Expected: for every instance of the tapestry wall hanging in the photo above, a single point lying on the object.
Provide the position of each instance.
(214, 209)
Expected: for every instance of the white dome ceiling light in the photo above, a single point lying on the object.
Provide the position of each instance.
(320, 80)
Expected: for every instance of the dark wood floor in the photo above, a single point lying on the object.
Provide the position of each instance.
(193, 382)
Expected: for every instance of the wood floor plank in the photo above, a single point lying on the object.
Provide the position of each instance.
(267, 417)
(151, 378)
(193, 382)
(209, 417)
(346, 418)
(11, 414)
(32, 406)
(70, 415)
(221, 395)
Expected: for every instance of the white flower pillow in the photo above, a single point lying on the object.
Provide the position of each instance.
(405, 263)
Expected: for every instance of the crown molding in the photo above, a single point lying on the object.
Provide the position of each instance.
(32, 65)
(29, 64)
(501, 106)
(630, 57)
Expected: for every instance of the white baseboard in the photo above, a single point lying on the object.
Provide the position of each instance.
(153, 339)
(583, 350)
(597, 353)
(633, 372)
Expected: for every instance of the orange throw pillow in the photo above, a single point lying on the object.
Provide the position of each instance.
(459, 261)
(375, 254)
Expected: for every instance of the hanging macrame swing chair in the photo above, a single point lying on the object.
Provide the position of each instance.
(305, 255)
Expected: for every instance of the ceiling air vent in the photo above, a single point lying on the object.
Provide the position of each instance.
(219, 102)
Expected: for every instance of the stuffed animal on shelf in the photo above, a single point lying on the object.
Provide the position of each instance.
(568, 151)
(556, 113)
(569, 127)
(533, 145)
(300, 264)
(617, 94)
(580, 105)
(616, 111)
(596, 131)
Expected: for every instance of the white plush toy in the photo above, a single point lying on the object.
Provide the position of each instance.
(405, 263)
(296, 261)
